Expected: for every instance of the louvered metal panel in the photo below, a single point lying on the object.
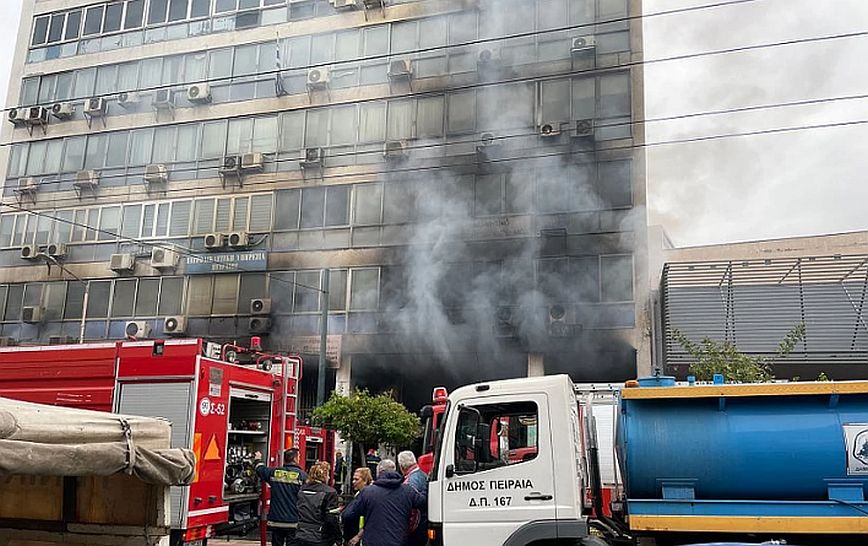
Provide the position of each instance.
(754, 303)
(171, 401)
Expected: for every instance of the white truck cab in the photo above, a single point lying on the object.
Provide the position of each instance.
(508, 470)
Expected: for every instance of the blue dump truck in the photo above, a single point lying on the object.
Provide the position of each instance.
(697, 463)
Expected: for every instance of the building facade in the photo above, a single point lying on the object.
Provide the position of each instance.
(469, 171)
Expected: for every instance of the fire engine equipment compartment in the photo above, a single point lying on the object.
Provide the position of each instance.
(249, 415)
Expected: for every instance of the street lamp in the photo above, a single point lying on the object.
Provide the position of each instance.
(52, 260)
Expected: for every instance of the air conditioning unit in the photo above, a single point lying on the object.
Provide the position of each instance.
(123, 263)
(137, 329)
(29, 252)
(400, 69)
(582, 45)
(17, 116)
(549, 129)
(61, 340)
(504, 322)
(95, 107)
(313, 158)
(129, 100)
(175, 326)
(31, 315)
(214, 241)
(374, 4)
(260, 306)
(259, 325)
(56, 250)
(86, 180)
(583, 128)
(487, 57)
(62, 110)
(199, 93)
(231, 165)
(156, 174)
(163, 258)
(394, 150)
(340, 4)
(318, 78)
(252, 162)
(37, 115)
(163, 99)
(238, 239)
(27, 185)
(487, 143)
(560, 321)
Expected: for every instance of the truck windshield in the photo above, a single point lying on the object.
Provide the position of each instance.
(438, 441)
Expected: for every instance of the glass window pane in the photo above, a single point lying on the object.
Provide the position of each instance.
(306, 295)
(164, 145)
(96, 147)
(187, 143)
(172, 67)
(584, 98)
(429, 117)
(135, 13)
(132, 221)
(220, 64)
(55, 30)
(200, 8)
(343, 126)
(239, 213)
(347, 45)
(13, 302)
(376, 40)
(337, 290)
(141, 143)
(180, 223)
(35, 158)
(372, 122)
(98, 299)
(239, 136)
(260, 213)
(555, 101)
(74, 300)
(286, 215)
(128, 76)
(93, 20)
(63, 89)
(73, 155)
(225, 5)
(30, 90)
(151, 73)
(53, 156)
(265, 135)
(117, 149)
(199, 295)
(614, 95)
(46, 88)
(291, 131)
(43, 229)
(312, 206)
(177, 10)
(124, 294)
(462, 112)
(157, 11)
(213, 139)
(203, 219)
(84, 81)
(161, 229)
(195, 66)
(225, 294)
(40, 30)
(363, 293)
(367, 204)
(113, 15)
(171, 291)
(316, 128)
(245, 60)
(322, 48)
(146, 297)
(337, 206)
(223, 216)
(109, 223)
(6, 223)
(63, 226)
(616, 273)
(92, 224)
(398, 202)
(400, 125)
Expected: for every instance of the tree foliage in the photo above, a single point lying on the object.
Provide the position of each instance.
(368, 420)
(711, 357)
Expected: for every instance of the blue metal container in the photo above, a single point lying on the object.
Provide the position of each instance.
(783, 450)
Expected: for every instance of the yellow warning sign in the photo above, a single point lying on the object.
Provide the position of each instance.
(212, 452)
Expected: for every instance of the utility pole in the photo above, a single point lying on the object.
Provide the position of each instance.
(323, 337)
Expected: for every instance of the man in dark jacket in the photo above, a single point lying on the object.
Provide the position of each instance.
(317, 510)
(386, 507)
(285, 483)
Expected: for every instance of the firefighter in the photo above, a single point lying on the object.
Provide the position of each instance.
(285, 482)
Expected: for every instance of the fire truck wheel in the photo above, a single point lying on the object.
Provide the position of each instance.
(593, 541)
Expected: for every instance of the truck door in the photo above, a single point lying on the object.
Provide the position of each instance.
(499, 471)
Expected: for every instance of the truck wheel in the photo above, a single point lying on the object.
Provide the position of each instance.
(593, 541)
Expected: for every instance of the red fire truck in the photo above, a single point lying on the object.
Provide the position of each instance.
(223, 410)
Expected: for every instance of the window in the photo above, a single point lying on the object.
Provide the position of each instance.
(113, 16)
(55, 30)
(585, 274)
(260, 213)
(337, 205)
(141, 142)
(13, 302)
(96, 147)
(109, 223)
(116, 152)
(337, 290)
(146, 297)
(372, 122)
(84, 81)
(200, 8)
(132, 222)
(6, 223)
(367, 204)
(498, 435)
(177, 10)
(614, 95)
(555, 101)
(312, 207)
(252, 286)
(157, 11)
(199, 295)
(73, 155)
(616, 274)
(40, 31)
(225, 294)
(203, 218)
(213, 139)
(306, 293)
(180, 223)
(93, 20)
(171, 291)
(462, 112)
(363, 293)
(135, 14)
(291, 131)
(74, 300)
(286, 215)
(98, 299)
(124, 294)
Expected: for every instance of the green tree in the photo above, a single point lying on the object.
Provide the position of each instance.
(711, 357)
(368, 420)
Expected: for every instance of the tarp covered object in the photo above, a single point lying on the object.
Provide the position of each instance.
(53, 441)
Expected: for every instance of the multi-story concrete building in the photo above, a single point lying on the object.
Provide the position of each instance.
(467, 170)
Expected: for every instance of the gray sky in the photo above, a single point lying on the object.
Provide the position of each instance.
(776, 185)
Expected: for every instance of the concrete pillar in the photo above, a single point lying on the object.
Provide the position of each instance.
(535, 365)
(343, 376)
